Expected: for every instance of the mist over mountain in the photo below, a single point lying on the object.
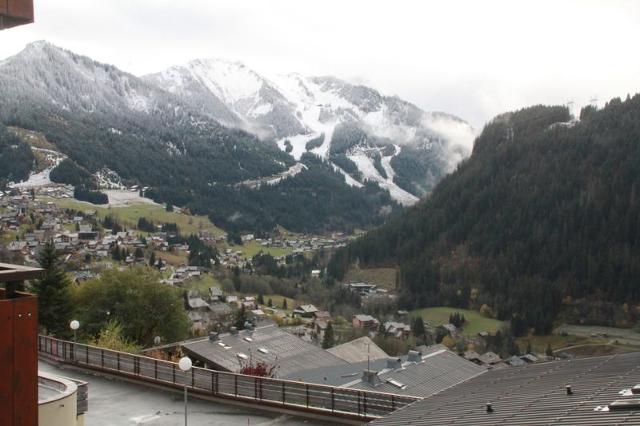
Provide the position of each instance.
(394, 143)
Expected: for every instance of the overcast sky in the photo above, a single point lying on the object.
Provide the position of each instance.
(471, 58)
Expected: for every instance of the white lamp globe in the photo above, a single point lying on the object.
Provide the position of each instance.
(75, 324)
(185, 363)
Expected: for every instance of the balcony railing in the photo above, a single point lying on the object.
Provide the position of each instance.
(286, 394)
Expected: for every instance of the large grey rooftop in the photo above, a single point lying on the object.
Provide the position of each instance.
(267, 344)
(358, 350)
(436, 372)
(533, 395)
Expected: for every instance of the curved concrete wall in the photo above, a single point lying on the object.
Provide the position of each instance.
(60, 407)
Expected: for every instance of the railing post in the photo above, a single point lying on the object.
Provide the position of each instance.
(155, 368)
(217, 382)
(333, 399)
(118, 358)
(87, 354)
(306, 386)
(236, 383)
(283, 394)
(364, 395)
(193, 377)
(393, 403)
(212, 385)
(102, 358)
(255, 388)
(174, 373)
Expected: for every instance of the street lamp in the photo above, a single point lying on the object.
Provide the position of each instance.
(74, 325)
(185, 365)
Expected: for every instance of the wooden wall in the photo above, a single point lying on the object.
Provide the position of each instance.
(18, 361)
(15, 12)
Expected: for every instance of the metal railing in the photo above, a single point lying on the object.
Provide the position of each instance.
(287, 394)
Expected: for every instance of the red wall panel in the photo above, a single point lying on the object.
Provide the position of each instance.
(6, 362)
(25, 343)
(20, 8)
(19, 361)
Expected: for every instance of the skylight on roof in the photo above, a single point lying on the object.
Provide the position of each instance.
(242, 356)
(221, 344)
(396, 383)
(248, 339)
(263, 350)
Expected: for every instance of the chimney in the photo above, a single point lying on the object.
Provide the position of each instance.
(213, 337)
(371, 377)
(569, 390)
(394, 363)
(489, 407)
(234, 331)
(414, 356)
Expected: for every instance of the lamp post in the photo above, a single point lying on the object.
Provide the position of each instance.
(74, 325)
(185, 365)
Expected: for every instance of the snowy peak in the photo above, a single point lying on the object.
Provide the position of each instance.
(233, 94)
(75, 83)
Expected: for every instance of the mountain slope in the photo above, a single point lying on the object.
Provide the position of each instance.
(543, 219)
(302, 114)
(103, 118)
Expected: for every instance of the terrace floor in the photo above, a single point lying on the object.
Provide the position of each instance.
(114, 402)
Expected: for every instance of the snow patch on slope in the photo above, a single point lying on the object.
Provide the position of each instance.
(365, 165)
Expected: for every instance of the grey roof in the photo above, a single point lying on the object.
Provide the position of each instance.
(283, 349)
(337, 375)
(358, 350)
(220, 308)
(438, 371)
(533, 395)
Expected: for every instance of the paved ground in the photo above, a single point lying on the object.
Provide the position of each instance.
(115, 403)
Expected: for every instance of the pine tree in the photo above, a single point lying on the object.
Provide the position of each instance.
(241, 318)
(260, 299)
(152, 259)
(270, 303)
(549, 351)
(284, 304)
(54, 304)
(418, 328)
(329, 340)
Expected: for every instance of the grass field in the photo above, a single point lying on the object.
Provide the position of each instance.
(252, 248)
(129, 215)
(540, 343)
(382, 277)
(172, 259)
(202, 284)
(475, 322)
(278, 301)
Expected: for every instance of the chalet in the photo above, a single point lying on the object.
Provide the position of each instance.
(490, 358)
(305, 311)
(397, 329)
(215, 294)
(366, 322)
(364, 289)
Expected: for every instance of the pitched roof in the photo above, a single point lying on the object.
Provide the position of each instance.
(436, 372)
(358, 350)
(533, 395)
(283, 349)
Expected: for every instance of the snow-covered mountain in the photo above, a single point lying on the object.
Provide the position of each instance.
(302, 114)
